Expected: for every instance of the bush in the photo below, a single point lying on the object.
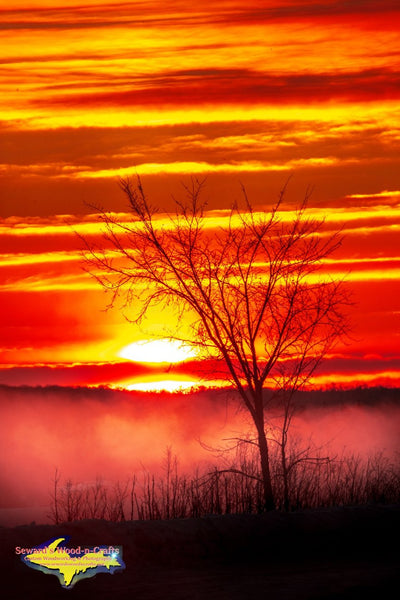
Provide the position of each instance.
(237, 489)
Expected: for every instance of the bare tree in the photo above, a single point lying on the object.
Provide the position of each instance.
(253, 288)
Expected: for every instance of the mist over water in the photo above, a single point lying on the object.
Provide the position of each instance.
(109, 434)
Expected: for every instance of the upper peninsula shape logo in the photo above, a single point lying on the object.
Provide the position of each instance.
(71, 565)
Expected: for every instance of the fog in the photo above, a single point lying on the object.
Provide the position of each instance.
(87, 433)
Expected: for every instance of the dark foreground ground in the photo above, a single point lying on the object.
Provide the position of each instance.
(349, 553)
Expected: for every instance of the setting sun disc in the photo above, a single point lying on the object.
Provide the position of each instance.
(157, 351)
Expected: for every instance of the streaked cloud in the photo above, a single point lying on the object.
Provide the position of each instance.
(386, 194)
(238, 92)
(201, 167)
(22, 259)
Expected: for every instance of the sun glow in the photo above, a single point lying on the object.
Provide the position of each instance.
(157, 351)
(166, 385)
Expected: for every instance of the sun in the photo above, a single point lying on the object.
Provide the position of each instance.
(157, 351)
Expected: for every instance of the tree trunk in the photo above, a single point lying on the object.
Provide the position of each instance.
(269, 500)
(285, 476)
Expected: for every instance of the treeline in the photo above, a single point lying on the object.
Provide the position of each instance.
(360, 396)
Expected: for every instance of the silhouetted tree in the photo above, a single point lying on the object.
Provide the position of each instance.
(253, 286)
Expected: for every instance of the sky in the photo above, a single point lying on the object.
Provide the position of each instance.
(240, 93)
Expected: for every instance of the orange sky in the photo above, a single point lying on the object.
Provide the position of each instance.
(241, 92)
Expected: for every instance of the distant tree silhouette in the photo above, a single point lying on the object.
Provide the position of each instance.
(253, 287)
